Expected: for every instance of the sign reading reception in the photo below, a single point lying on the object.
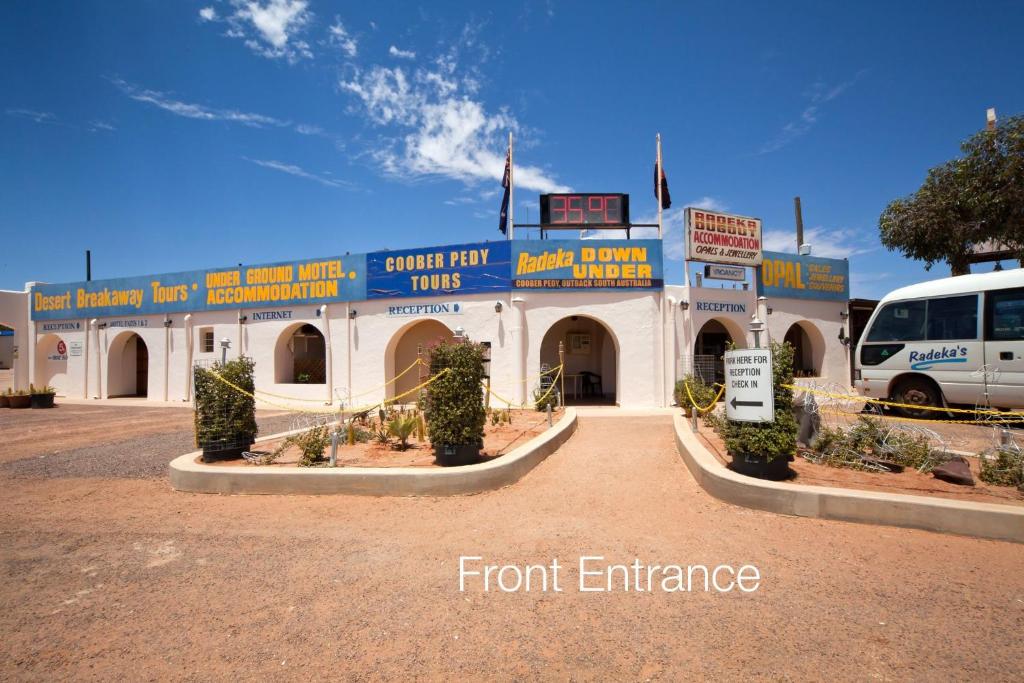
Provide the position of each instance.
(789, 276)
(587, 264)
(340, 278)
(438, 271)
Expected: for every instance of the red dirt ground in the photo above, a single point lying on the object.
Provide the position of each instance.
(107, 578)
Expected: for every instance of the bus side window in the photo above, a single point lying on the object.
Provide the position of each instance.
(1006, 315)
(953, 317)
(899, 321)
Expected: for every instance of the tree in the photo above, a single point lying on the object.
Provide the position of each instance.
(964, 202)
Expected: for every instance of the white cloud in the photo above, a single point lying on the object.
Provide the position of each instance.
(100, 125)
(270, 28)
(208, 14)
(401, 54)
(306, 129)
(825, 242)
(195, 111)
(820, 93)
(33, 115)
(436, 128)
(299, 172)
(339, 37)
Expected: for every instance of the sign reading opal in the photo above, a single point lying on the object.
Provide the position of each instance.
(438, 271)
(789, 276)
(587, 264)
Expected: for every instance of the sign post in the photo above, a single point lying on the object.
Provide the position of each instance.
(749, 391)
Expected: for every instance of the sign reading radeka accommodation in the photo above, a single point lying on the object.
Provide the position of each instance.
(714, 237)
(587, 264)
(432, 271)
(789, 276)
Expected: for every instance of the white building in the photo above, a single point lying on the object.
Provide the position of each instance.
(627, 337)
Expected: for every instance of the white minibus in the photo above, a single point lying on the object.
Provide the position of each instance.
(955, 341)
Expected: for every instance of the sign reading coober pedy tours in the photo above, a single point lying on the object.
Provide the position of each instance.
(409, 273)
(788, 276)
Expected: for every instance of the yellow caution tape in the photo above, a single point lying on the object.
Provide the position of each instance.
(710, 405)
(418, 361)
(891, 404)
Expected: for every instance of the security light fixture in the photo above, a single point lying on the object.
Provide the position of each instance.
(460, 333)
(101, 326)
(225, 344)
(844, 314)
(756, 327)
(769, 310)
(684, 304)
(497, 307)
(168, 322)
(243, 318)
(318, 312)
(805, 250)
(352, 314)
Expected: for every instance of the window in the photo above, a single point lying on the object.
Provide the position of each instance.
(1006, 315)
(954, 317)
(206, 334)
(899, 321)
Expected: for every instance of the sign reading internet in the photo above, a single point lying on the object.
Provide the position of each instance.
(714, 237)
(788, 276)
(587, 264)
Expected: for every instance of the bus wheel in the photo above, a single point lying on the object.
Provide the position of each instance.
(916, 391)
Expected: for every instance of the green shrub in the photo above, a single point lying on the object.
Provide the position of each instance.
(223, 414)
(542, 398)
(401, 428)
(1004, 467)
(873, 438)
(703, 394)
(770, 439)
(454, 402)
(42, 391)
(312, 443)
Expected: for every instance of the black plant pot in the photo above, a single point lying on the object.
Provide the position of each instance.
(453, 456)
(758, 466)
(22, 401)
(42, 400)
(229, 451)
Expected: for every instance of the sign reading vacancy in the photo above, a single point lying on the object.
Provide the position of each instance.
(789, 276)
(587, 264)
(749, 395)
(714, 237)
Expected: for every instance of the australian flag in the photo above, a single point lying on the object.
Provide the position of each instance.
(503, 221)
(666, 199)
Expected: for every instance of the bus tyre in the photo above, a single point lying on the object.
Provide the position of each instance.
(918, 392)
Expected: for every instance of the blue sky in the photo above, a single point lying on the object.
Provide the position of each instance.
(181, 135)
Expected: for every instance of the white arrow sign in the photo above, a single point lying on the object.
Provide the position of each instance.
(749, 396)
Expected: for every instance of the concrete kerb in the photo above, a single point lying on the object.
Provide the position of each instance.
(188, 475)
(983, 520)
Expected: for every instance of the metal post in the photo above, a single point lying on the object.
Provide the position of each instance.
(88, 265)
(334, 448)
(550, 422)
(799, 223)
(561, 373)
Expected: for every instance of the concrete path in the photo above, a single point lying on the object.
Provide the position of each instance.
(111, 578)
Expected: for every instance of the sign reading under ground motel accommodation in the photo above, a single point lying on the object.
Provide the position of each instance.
(714, 237)
(417, 310)
(749, 395)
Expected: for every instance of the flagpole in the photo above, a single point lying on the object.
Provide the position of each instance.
(658, 179)
(511, 203)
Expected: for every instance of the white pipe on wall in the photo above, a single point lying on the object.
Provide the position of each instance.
(167, 355)
(519, 347)
(329, 354)
(348, 351)
(670, 344)
(189, 342)
(85, 361)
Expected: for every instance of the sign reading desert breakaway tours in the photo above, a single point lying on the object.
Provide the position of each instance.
(713, 237)
(438, 271)
(789, 276)
(587, 264)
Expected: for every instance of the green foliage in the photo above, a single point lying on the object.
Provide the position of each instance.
(401, 428)
(454, 403)
(302, 378)
(872, 437)
(964, 202)
(223, 414)
(312, 443)
(702, 393)
(41, 391)
(1004, 467)
(770, 439)
(542, 398)
(379, 433)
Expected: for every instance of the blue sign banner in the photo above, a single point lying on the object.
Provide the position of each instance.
(314, 281)
(789, 276)
(587, 264)
(438, 271)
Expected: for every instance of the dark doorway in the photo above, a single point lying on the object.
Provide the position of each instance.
(141, 367)
(709, 351)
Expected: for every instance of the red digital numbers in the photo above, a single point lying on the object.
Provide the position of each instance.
(585, 209)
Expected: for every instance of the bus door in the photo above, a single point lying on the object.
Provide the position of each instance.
(1004, 346)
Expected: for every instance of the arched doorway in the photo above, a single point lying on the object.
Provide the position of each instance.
(591, 360)
(301, 356)
(52, 362)
(709, 347)
(127, 366)
(808, 348)
(6, 358)
(402, 352)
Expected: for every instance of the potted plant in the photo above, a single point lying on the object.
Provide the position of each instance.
(19, 399)
(225, 410)
(703, 394)
(454, 403)
(5, 398)
(41, 397)
(765, 449)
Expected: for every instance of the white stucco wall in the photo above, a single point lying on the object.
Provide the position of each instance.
(14, 314)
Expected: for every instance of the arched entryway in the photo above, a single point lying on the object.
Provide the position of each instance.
(127, 366)
(808, 348)
(709, 347)
(52, 363)
(403, 349)
(300, 356)
(6, 358)
(591, 360)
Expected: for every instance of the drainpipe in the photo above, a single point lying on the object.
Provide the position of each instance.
(241, 346)
(670, 356)
(348, 354)
(167, 354)
(519, 348)
(660, 351)
(328, 354)
(189, 342)
(85, 360)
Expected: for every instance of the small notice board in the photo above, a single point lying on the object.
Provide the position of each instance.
(749, 395)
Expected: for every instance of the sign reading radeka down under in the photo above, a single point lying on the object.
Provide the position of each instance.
(587, 264)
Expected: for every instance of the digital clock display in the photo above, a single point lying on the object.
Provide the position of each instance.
(574, 210)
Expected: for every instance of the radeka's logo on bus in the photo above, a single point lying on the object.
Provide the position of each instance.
(927, 359)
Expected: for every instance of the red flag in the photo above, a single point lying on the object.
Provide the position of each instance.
(503, 221)
(666, 198)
